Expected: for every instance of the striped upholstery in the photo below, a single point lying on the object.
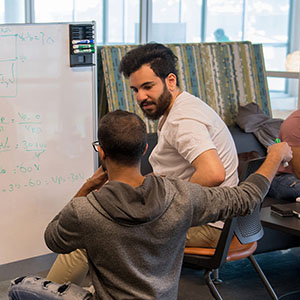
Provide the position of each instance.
(224, 75)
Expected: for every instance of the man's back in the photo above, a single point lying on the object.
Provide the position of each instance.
(135, 237)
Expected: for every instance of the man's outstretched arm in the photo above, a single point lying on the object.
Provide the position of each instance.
(219, 203)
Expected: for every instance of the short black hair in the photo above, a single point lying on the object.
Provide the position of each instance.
(123, 137)
(160, 58)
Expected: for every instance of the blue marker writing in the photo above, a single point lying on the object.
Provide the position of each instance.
(285, 164)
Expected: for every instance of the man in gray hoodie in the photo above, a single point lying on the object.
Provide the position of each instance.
(134, 227)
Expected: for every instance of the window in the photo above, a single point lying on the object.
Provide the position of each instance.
(53, 11)
(224, 20)
(258, 21)
(116, 20)
(275, 24)
(2, 10)
(268, 23)
(69, 11)
(12, 11)
(122, 22)
(176, 21)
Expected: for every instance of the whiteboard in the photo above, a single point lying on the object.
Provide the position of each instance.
(47, 123)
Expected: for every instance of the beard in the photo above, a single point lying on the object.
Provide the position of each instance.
(163, 102)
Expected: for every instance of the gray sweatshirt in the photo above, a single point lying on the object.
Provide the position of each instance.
(135, 237)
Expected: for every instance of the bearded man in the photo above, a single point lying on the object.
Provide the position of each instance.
(194, 144)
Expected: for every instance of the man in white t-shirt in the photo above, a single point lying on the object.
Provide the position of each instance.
(194, 143)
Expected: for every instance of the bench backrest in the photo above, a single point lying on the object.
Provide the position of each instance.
(224, 75)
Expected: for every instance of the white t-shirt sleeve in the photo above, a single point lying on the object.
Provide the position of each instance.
(190, 137)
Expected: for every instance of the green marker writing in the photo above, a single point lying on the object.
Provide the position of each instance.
(285, 164)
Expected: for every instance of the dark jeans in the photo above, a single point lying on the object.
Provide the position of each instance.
(37, 288)
(286, 187)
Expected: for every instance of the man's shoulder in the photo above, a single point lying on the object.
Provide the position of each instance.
(78, 203)
(179, 184)
(187, 104)
(296, 113)
(189, 107)
(186, 97)
(293, 117)
(291, 124)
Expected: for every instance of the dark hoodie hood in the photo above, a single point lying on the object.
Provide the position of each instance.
(132, 206)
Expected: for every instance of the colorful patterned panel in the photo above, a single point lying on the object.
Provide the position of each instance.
(224, 75)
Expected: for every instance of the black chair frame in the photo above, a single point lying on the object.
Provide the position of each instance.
(247, 229)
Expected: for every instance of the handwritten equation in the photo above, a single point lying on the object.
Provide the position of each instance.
(22, 168)
(33, 182)
(11, 55)
(29, 148)
(22, 138)
(26, 36)
(31, 125)
(27, 175)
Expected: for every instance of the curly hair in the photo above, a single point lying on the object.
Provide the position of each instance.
(160, 58)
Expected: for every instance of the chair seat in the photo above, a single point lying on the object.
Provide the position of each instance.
(236, 250)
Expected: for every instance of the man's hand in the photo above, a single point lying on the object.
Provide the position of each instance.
(281, 149)
(277, 154)
(99, 178)
(93, 183)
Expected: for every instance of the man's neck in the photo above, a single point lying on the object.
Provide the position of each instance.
(127, 174)
(174, 94)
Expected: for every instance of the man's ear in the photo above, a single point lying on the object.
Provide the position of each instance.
(101, 153)
(146, 148)
(171, 82)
